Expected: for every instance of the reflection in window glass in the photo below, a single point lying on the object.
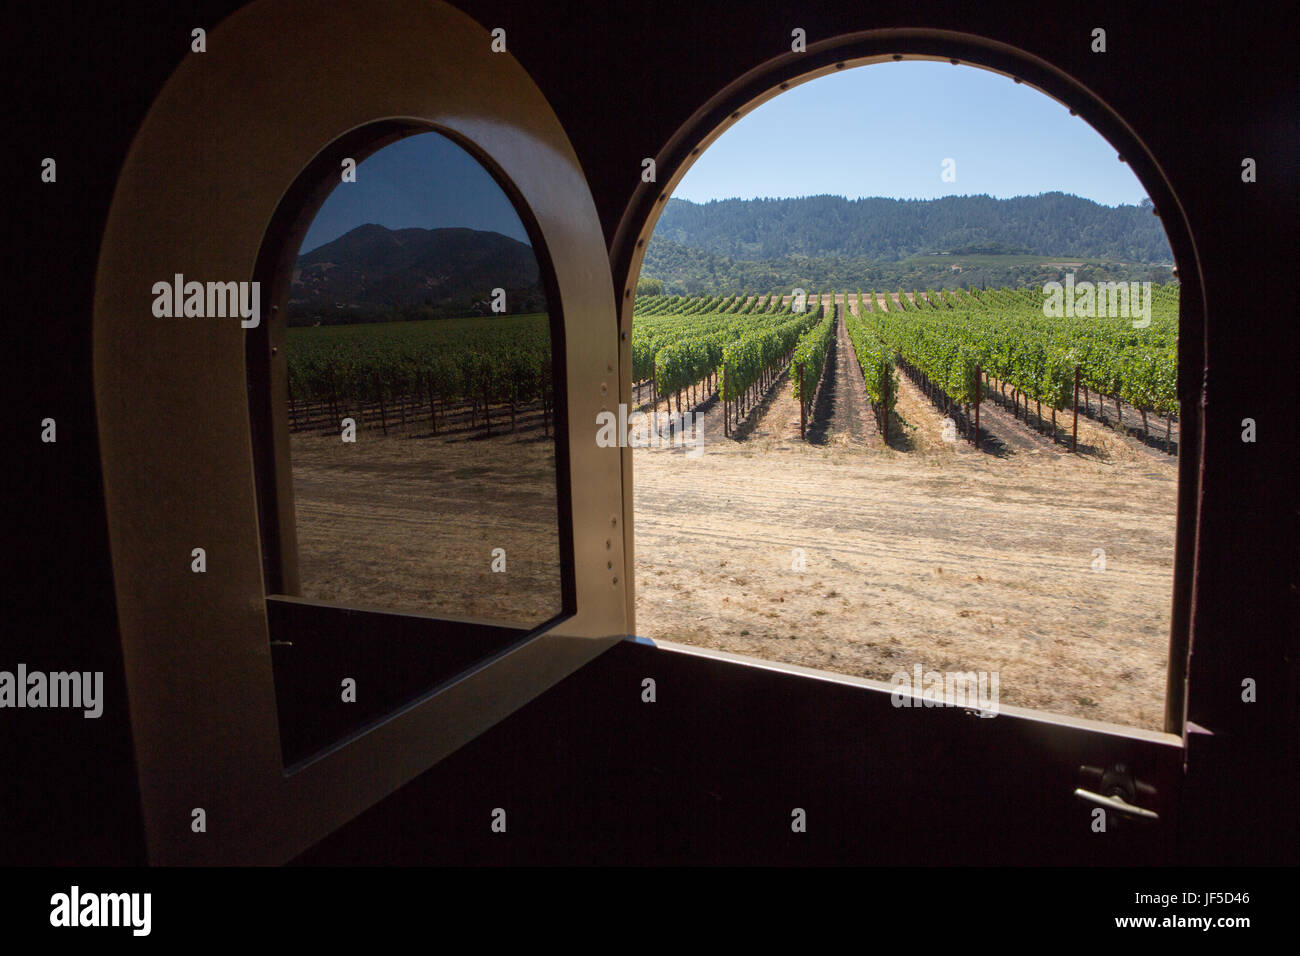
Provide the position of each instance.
(420, 396)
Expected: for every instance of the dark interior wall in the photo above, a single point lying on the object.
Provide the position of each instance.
(711, 772)
(1202, 89)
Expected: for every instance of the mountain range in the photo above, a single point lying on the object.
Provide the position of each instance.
(373, 273)
(449, 269)
(889, 230)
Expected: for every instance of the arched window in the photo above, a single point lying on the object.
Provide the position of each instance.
(895, 484)
(405, 410)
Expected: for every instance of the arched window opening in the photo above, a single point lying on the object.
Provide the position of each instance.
(906, 363)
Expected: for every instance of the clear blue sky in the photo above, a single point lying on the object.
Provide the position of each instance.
(424, 180)
(885, 129)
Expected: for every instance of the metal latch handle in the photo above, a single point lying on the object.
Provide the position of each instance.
(1116, 803)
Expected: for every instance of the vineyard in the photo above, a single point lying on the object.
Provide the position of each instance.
(439, 371)
(960, 348)
(733, 348)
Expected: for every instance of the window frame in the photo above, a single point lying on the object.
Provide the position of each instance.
(333, 627)
(226, 137)
(864, 49)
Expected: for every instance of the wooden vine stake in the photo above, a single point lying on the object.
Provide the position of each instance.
(726, 406)
(1074, 432)
(803, 413)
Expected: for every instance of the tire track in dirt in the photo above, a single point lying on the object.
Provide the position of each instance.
(842, 414)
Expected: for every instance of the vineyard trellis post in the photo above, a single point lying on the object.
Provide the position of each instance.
(1074, 432)
(886, 396)
(654, 401)
(802, 405)
(726, 406)
(978, 394)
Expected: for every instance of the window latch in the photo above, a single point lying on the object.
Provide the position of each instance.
(1118, 791)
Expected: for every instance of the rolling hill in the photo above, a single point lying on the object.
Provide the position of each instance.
(890, 230)
(373, 267)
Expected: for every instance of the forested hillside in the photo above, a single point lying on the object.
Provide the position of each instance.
(1051, 224)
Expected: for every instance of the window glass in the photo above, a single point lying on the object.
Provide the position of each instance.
(421, 399)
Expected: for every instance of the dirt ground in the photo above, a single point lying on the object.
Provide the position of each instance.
(410, 523)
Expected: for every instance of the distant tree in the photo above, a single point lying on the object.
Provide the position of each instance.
(648, 286)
